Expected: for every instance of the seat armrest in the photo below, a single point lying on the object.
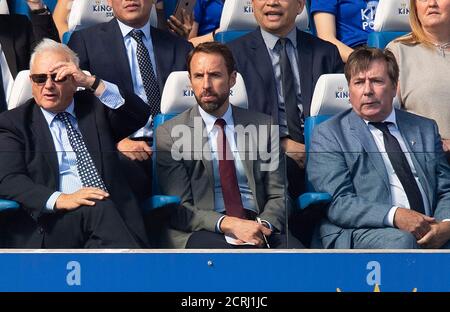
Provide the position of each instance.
(307, 199)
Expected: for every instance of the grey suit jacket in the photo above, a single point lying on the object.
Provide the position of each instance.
(345, 162)
(192, 178)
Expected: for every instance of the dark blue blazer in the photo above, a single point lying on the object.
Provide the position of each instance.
(102, 52)
(316, 57)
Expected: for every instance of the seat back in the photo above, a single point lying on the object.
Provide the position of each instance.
(86, 13)
(331, 96)
(21, 90)
(237, 19)
(178, 96)
(4, 9)
(391, 21)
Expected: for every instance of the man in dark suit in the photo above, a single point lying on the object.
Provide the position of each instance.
(18, 37)
(233, 190)
(260, 56)
(59, 159)
(111, 51)
(385, 168)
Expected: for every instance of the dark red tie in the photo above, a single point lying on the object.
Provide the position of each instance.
(227, 171)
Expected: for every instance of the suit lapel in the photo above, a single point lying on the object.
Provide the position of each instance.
(7, 42)
(204, 148)
(45, 145)
(411, 133)
(263, 66)
(240, 118)
(88, 127)
(113, 41)
(305, 57)
(361, 132)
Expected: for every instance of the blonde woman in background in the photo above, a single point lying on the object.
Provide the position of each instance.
(424, 60)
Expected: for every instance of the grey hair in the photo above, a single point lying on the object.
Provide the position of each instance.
(50, 45)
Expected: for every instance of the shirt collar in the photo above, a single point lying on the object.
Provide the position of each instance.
(209, 119)
(125, 29)
(50, 116)
(391, 118)
(271, 40)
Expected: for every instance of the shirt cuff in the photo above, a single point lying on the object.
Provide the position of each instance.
(389, 218)
(218, 230)
(50, 204)
(111, 96)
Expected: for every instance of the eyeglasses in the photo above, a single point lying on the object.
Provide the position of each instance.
(425, 1)
(42, 78)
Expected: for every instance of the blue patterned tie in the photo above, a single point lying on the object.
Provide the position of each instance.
(86, 169)
(148, 75)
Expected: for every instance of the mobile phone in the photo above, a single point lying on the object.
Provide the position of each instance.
(187, 5)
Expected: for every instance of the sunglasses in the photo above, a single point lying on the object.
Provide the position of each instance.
(42, 78)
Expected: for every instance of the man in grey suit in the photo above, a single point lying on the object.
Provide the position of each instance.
(230, 196)
(385, 168)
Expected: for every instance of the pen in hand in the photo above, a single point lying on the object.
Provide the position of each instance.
(258, 219)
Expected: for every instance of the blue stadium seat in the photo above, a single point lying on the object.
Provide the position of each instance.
(237, 19)
(391, 21)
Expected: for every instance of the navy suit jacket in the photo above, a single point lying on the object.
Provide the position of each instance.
(345, 162)
(18, 37)
(29, 171)
(316, 57)
(102, 51)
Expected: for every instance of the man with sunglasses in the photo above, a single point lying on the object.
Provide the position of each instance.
(18, 36)
(58, 159)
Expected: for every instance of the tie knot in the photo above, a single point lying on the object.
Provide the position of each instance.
(64, 117)
(136, 34)
(282, 42)
(220, 123)
(382, 126)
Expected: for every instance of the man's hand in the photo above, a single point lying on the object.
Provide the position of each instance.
(79, 78)
(82, 197)
(246, 231)
(413, 222)
(35, 4)
(135, 150)
(294, 150)
(181, 28)
(437, 236)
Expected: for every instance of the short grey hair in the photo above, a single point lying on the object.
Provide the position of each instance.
(51, 45)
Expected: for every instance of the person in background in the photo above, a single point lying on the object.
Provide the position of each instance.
(181, 28)
(424, 60)
(345, 23)
(61, 15)
(138, 58)
(207, 15)
(280, 66)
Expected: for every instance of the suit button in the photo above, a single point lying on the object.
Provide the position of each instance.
(31, 214)
(40, 230)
